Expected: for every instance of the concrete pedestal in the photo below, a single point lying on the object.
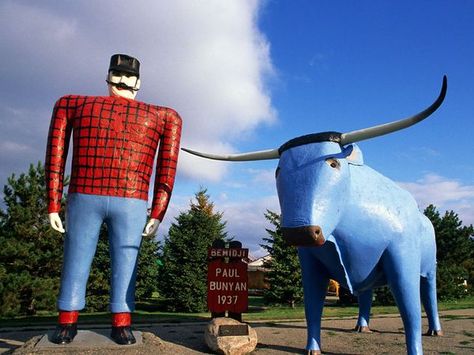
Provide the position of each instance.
(86, 339)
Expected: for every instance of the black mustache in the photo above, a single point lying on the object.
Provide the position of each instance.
(121, 86)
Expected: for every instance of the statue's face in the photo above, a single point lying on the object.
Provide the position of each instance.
(123, 84)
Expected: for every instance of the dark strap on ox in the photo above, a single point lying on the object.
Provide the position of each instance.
(311, 138)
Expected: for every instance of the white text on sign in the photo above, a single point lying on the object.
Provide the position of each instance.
(227, 299)
(227, 272)
(227, 286)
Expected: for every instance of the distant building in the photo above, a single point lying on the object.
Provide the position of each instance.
(256, 275)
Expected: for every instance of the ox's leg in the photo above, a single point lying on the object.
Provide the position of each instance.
(365, 304)
(402, 268)
(428, 297)
(315, 284)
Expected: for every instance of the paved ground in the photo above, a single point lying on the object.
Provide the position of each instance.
(278, 337)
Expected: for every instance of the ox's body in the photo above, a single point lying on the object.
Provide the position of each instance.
(374, 234)
(353, 225)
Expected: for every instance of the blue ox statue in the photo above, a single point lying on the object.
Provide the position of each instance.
(352, 224)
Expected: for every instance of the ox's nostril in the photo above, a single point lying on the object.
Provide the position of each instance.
(304, 236)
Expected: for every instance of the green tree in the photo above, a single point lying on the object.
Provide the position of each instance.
(284, 273)
(98, 286)
(148, 268)
(452, 238)
(183, 277)
(31, 252)
(455, 254)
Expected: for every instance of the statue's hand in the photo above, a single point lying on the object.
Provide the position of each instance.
(151, 227)
(56, 222)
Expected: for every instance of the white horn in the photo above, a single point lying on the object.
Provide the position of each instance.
(345, 138)
(371, 132)
(259, 155)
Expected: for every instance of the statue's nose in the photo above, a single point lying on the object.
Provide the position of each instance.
(306, 236)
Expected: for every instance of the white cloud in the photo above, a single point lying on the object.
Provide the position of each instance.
(206, 59)
(263, 177)
(245, 220)
(21, 140)
(9, 147)
(445, 194)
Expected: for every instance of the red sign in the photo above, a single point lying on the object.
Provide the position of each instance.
(227, 286)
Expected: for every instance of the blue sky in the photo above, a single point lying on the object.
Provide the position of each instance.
(250, 75)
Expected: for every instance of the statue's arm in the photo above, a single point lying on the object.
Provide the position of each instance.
(56, 154)
(166, 164)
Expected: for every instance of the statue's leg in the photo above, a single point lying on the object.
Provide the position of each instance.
(403, 276)
(315, 284)
(428, 297)
(83, 220)
(365, 304)
(125, 220)
(84, 217)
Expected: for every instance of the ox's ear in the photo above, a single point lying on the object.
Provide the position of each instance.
(354, 156)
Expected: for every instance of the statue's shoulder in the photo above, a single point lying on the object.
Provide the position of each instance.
(72, 99)
(172, 115)
(169, 114)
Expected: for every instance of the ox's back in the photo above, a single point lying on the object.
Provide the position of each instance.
(379, 207)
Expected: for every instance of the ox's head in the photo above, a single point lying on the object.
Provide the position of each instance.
(312, 181)
(313, 175)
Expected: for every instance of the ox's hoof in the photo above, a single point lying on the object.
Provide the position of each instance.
(313, 352)
(362, 329)
(434, 333)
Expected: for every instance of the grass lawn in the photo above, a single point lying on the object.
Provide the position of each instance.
(146, 313)
(332, 309)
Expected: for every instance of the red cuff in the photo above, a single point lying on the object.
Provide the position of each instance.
(121, 319)
(54, 207)
(68, 317)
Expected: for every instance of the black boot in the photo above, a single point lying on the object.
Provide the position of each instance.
(64, 333)
(123, 335)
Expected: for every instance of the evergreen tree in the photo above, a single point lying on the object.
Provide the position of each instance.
(148, 268)
(455, 253)
(452, 238)
(98, 285)
(284, 273)
(31, 252)
(183, 277)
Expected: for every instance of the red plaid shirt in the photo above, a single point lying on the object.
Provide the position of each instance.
(115, 142)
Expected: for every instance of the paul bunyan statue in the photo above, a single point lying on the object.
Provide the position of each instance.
(115, 139)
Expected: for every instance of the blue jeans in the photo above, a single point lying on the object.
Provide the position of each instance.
(125, 219)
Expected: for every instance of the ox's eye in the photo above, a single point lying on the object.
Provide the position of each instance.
(333, 163)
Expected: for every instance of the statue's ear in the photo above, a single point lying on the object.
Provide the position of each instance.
(355, 157)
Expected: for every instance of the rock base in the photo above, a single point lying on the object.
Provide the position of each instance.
(220, 338)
